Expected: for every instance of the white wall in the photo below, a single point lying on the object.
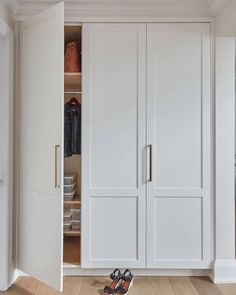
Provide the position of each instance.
(225, 132)
(225, 264)
(226, 20)
(6, 15)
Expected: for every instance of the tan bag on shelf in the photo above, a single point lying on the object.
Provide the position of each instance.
(72, 57)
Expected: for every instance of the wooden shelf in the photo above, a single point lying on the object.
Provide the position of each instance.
(72, 233)
(72, 74)
(75, 201)
(72, 81)
(71, 250)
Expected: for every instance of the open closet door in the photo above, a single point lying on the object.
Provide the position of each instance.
(40, 228)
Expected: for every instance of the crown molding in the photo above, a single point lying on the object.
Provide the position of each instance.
(127, 8)
(109, 8)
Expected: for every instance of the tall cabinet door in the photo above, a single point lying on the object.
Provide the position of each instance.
(40, 229)
(178, 194)
(113, 142)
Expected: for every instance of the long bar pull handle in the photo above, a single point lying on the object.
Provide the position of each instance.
(56, 165)
(149, 163)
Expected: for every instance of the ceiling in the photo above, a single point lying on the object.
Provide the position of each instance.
(198, 8)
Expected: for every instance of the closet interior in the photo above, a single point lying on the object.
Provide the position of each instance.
(72, 147)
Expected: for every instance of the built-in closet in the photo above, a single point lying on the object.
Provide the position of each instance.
(72, 164)
(146, 167)
(143, 175)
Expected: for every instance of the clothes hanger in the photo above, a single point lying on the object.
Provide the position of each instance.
(74, 100)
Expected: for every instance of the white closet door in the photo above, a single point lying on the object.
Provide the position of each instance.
(40, 231)
(178, 195)
(113, 142)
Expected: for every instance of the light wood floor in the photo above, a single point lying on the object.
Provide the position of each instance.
(142, 285)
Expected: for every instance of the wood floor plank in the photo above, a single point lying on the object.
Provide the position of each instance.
(161, 285)
(204, 286)
(142, 285)
(182, 286)
(72, 285)
(93, 285)
(23, 286)
(227, 289)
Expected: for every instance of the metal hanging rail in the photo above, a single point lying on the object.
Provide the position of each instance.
(73, 92)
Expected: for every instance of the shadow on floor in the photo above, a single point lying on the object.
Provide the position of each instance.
(100, 285)
(15, 289)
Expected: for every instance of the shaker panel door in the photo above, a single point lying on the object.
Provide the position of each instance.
(40, 230)
(113, 142)
(178, 116)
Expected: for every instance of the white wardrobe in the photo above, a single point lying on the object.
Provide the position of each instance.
(146, 139)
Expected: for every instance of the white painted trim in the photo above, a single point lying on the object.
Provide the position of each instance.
(76, 18)
(212, 128)
(224, 149)
(6, 200)
(75, 270)
(16, 140)
(118, 9)
(224, 271)
(20, 273)
(23, 9)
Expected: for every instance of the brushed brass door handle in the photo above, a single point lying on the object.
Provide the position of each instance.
(149, 163)
(56, 166)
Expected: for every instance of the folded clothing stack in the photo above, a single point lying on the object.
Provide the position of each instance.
(67, 221)
(70, 185)
(72, 219)
(75, 220)
(71, 216)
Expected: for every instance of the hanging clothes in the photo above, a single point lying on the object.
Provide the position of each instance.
(72, 129)
(72, 57)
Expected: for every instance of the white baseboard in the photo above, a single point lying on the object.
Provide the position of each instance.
(224, 271)
(74, 270)
(14, 275)
(20, 273)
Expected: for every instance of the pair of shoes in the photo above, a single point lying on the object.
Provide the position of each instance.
(121, 283)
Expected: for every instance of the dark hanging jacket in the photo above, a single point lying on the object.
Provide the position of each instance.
(72, 129)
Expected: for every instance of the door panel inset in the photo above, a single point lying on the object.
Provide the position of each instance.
(117, 229)
(114, 103)
(174, 237)
(177, 83)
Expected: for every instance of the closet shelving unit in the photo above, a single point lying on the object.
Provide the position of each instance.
(72, 88)
(75, 201)
(72, 81)
(72, 233)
